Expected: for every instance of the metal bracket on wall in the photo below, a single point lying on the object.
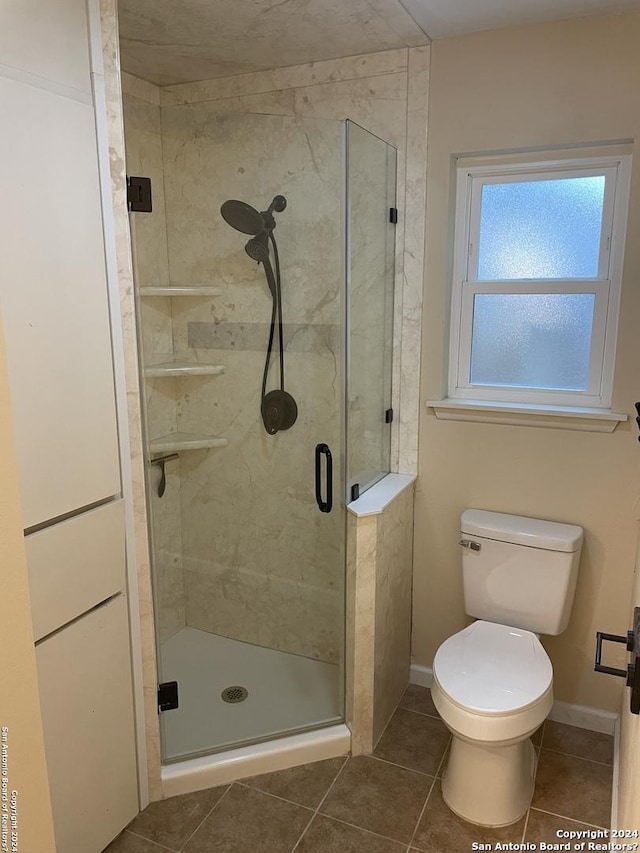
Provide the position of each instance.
(632, 673)
(167, 696)
(139, 194)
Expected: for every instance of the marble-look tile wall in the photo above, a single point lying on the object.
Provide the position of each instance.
(408, 335)
(394, 564)
(143, 139)
(379, 579)
(143, 632)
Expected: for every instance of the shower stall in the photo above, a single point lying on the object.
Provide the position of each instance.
(249, 472)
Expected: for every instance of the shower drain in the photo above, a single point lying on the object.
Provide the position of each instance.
(234, 694)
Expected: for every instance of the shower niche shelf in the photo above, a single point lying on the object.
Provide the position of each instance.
(182, 368)
(185, 441)
(181, 290)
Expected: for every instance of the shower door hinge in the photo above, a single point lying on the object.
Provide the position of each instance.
(355, 491)
(167, 696)
(138, 194)
(393, 215)
(388, 416)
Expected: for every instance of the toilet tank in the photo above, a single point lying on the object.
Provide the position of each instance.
(519, 571)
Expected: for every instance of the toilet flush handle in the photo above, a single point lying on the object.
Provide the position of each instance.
(468, 543)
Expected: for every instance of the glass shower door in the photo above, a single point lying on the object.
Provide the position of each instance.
(248, 556)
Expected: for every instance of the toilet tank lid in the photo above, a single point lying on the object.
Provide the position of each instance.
(520, 530)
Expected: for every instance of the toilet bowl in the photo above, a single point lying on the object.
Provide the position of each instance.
(493, 681)
(493, 687)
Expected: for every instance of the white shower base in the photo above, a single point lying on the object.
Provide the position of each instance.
(287, 693)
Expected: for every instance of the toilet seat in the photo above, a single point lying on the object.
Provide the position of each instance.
(491, 669)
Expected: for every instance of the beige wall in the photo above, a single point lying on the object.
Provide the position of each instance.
(19, 700)
(562, 84)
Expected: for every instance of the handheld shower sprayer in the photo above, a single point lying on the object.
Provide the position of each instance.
(278, 408)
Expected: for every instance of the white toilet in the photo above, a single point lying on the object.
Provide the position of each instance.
(493, 681)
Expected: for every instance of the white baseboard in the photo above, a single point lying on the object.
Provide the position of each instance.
(584, 717)
(581, 716)
(420, 675)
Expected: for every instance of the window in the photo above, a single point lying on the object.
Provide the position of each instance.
(537, 270)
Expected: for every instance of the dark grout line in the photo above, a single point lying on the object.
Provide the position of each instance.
(422, 811)
(404, 767)
(355, 826)
(211, 810)
(422, 713)
(573, 819)
(320, 804)
(526, 824)
(150, 841)
(580, 757)
(275, 796)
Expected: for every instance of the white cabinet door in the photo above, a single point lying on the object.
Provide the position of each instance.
(54, 302)
(48, 40)
(84, 672)
(75, 565)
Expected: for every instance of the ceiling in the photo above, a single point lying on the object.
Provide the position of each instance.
(179, 41)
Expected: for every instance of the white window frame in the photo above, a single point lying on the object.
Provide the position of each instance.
(605, 285)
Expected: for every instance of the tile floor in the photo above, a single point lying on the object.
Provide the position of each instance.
(389, 802)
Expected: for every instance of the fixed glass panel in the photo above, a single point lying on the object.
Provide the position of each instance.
(541, 229)
(532, 340)
(371, 194)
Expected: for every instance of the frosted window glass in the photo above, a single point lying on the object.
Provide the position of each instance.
(532, 340)
(541, 229)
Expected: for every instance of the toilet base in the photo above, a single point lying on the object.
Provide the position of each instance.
(489, 785)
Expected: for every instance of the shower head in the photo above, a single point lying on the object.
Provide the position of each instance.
(242, 217)
(258, 248)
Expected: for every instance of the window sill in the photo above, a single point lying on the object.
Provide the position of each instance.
(527, 414)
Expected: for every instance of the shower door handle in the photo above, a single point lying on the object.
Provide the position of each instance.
(324, 505)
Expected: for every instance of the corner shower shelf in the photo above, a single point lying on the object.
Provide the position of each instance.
(182, 368)
(185, 441)
(181, 290)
